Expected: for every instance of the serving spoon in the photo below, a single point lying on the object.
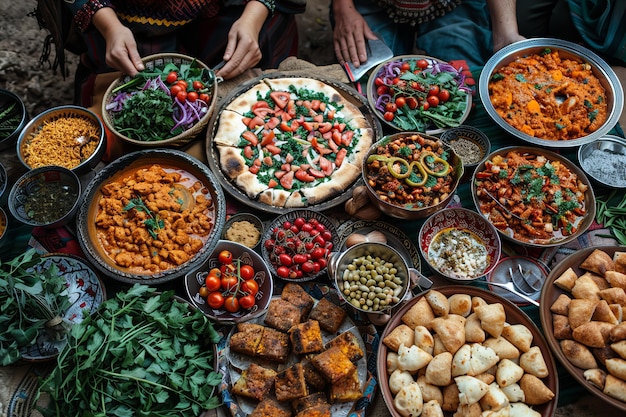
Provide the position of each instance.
(500, 204)
(511, 288)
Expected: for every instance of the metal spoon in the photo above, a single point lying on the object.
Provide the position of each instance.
(511, 288)
(525, 279)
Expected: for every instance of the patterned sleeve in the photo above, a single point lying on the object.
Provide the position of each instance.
(83, 11)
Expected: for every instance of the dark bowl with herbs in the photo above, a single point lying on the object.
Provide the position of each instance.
(167, 104)
(13, 118)
(48, 197)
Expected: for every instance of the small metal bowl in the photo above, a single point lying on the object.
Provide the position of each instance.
(339, 263)
(470, 143)
(16, 113)
(463, 220)
(246, 239)
(4, 185)
(4, 228)
(77, 153)
(604, 161)
(47, 196)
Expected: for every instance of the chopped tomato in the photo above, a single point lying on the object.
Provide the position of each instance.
(272, 183)
(247, 152)
(325, 127)
(302, 175)
(260, 104)
(326, 166)
(268, 161)
(287, 180)
(284, 126)
(256, 122)
(262, 111)
(337, 136)
(268, 137)
(316, 173)
(315, 104)
(273, 149)
(330, 115)
(281, 98)
(250, 137)
(254, 169)
(340, 126)
(319, 118)
(309, 126)
(272, 123)
(340, 156)
(346, 138)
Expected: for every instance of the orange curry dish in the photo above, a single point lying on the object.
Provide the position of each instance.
(549, 97)
(154, 218)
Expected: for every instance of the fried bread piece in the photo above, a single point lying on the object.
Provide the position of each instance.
(346, 389)
(297, 296)
(313, 377)
(290, 383)
(270, 408)
(349, 345)
(247, 338)
(322, 410)
(274, 345)
(329, 315)
(282, 315)
(306, 337)
(333, 364)
(255, 382)
(312, 400)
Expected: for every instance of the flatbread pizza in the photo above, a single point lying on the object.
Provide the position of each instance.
(292, 142)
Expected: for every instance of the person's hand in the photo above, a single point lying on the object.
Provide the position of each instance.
(121, 47)
(500, 41)
(242, 50)
(350, 34)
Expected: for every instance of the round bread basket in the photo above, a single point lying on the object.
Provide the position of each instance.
(155, 61)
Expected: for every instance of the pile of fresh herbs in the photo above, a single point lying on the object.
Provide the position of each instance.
(32, 300)
(10, 119)
(611, 213)
(142, 353)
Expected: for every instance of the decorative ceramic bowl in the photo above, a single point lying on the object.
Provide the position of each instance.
(159, 62)
(296, 234)
(426, 198)
(48, 196)
(459, 244)
(125, 190)
(195, 280)
(565, 96)
(13, 118)
(244, 228)
(68, 136)
(604, 161)
(458, 102)
(559, 221)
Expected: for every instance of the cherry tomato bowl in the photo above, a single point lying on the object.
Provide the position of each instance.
(233, 285)
(420, 93)
(296, 245)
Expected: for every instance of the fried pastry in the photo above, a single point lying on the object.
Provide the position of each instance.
(255, 382)
(247, 338)
(282, 315)
(329, 315)
(333, 364)
(290, 383)
(599, 262)
(349, 345)
(346, 389)
(297, 296)
(270, 408)
(306, 337)
(274, 345)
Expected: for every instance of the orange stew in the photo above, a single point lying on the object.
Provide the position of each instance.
(549, 97)
(154, 219)
(411, 171)
(546, 196)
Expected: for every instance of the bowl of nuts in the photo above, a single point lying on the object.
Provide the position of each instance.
(372, 277)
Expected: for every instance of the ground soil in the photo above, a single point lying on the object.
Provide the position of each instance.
(22, 40)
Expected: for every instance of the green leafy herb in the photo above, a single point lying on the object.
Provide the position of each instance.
(520, 78)
(141, 353)
(592, 115)
(497, 77)
(32, 300)
(10, 119)
(153, 224)
(611, 212)
(147, 116)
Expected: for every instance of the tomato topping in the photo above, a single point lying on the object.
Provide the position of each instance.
(250, 137)
(281, 98)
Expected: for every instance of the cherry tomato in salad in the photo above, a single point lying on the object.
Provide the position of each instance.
(433, 101)
(433, 90)
(171, 77)
(225, 257)
(231, 304)
(192, 96)
(181, 96)
(382, 89)
(391, 107)
(215, 300)
(444, 95)
(175, 89)
(422, 64)
(247, 302)
(184, 85)
(388, 116)
(405, 66)
(412, 103)
(204, 97)
(246, 272)
(400, 102)
(379, 81)
(425, 105)
(197, 85)
(213, 283)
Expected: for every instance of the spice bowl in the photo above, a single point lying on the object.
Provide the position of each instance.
(470, 143)
(244, 228)
(13, 118)
(604, 161)
(69, 136)
(47, 197)
(459, 245)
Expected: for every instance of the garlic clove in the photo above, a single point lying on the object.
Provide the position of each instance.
(354, 239)
(376, 236)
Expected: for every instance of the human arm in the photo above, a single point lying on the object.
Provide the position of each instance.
(503, 22)
(242, 50)
(350, 33)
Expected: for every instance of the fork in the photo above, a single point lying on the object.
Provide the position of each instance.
(511, 288)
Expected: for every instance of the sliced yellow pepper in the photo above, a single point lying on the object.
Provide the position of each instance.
(422, 172)
(429, 167)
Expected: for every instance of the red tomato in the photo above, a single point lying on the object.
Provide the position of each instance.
(307, 227)
(422, 64)
(203, 292)
(391, 107)
(246, 272)
(299, 222)
(231, 304)
(247, 301)
(425, 105)
(171, 77)
(251, 287)
(433, 90)
(433, 101)
(327, 236)
(204, 97)
(175, 89)
(213, 283)
(382, 89)
(388, 116)
(284, 259)
(400, 102)
(197, 85)
(308, 267)
(444, 95)
(181, 96)
(215, 300)
(183, 84)
(412, 103)
(379, 81)
(192, 96)
(229, 282)
(405, 67)
(299, 258)
(283, 271)
(318, 253)
(225, 257)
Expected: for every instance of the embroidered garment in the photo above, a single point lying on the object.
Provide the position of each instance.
(416, 12)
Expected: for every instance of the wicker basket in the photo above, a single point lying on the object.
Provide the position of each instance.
(152, 61)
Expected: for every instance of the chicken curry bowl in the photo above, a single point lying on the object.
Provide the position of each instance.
(152, 218)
